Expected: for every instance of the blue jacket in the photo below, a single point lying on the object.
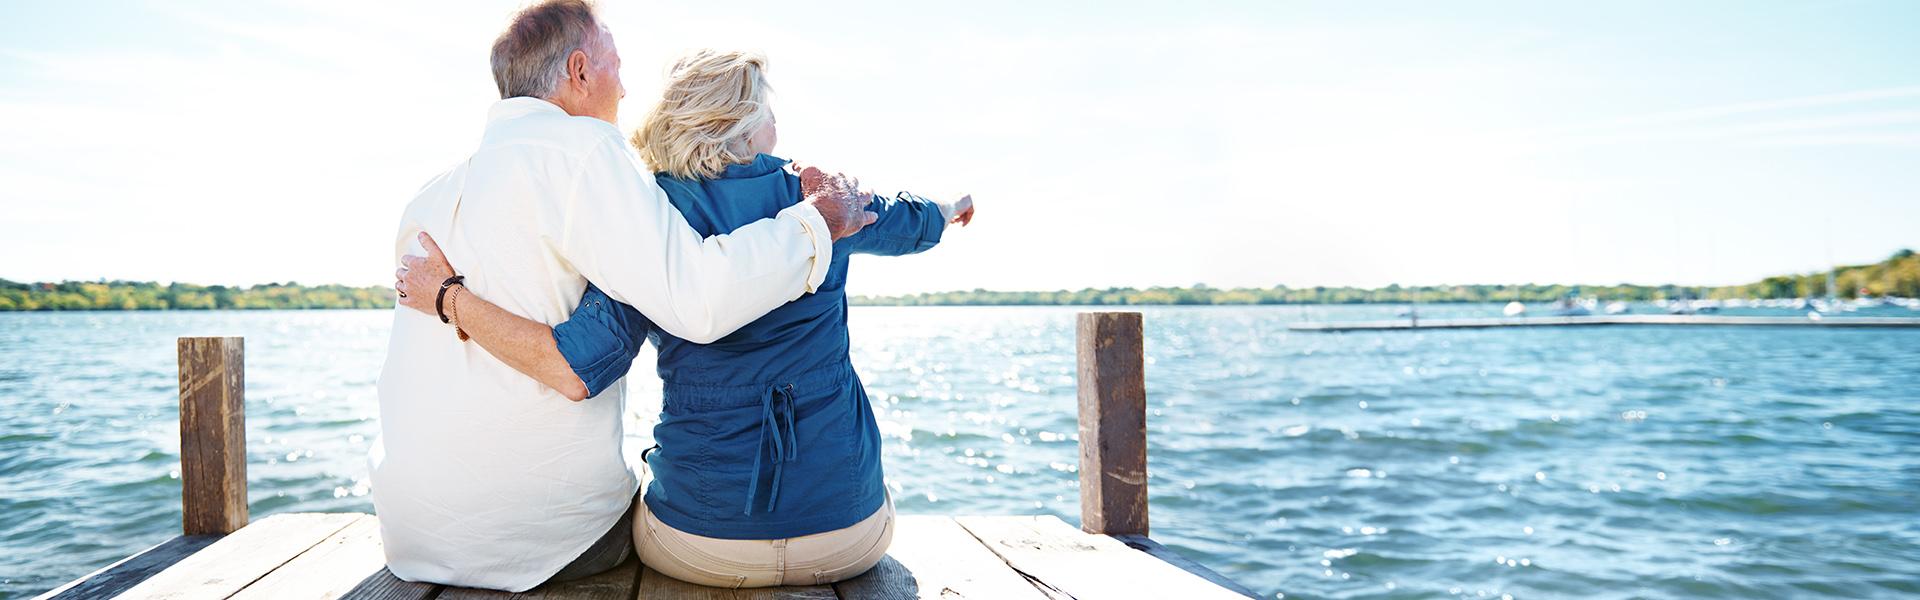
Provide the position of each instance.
(766, 433)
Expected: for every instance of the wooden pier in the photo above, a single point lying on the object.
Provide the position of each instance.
(1598, 320)
(338, 555)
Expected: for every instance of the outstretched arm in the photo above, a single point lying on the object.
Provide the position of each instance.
(524, 344)
(907, 224)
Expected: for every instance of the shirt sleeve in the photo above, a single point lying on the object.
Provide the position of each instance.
(620, 232)
(908, 224)
(600, 339)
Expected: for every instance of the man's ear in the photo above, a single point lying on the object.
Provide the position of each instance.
(577, 68)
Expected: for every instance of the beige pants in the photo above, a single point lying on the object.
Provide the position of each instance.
(815, 559)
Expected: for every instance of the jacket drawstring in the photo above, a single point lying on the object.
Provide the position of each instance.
(776, 423)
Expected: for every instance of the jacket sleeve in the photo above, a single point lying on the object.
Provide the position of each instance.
(600, 339)
(908, 224)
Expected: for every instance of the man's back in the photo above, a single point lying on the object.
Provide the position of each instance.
(484, 477)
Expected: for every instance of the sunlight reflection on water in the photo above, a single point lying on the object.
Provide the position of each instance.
(1603, 462)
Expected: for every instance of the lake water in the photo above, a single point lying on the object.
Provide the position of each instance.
(1606, 462)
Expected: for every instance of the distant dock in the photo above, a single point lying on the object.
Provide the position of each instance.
(1595, 320)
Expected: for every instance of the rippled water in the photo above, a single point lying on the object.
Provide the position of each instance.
(1607, 462)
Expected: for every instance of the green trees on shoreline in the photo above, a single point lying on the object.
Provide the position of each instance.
(1899, 275)
(146, 295)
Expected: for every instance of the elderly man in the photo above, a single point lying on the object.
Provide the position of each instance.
(484, 477)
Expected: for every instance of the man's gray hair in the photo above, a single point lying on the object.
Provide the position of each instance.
(530, 57)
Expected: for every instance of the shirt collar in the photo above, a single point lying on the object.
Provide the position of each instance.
(520, 106)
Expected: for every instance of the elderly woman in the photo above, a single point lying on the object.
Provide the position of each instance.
(767, 470)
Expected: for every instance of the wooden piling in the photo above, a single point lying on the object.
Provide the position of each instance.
(1113, 424)
(213, 435)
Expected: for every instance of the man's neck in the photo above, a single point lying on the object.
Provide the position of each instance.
(575, 107)
(565, 103)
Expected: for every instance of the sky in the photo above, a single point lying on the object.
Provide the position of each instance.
(1105, 143)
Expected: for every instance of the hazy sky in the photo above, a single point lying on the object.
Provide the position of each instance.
(1235, 144)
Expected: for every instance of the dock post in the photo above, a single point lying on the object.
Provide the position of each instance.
(1113, 423)
(213, 435)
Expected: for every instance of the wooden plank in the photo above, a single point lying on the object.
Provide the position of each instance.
(1086, 566)
(384, 586)
(213, 435)
(615, 584)
(1156, 550)
(242, 557)
(656, 586)
(887, 580)
(933, 558)
(328, 570)
(1113, 423)
(117, 577)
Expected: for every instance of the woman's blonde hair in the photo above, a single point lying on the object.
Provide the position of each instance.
(714, 101)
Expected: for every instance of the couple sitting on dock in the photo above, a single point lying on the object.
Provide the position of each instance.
(500, 463)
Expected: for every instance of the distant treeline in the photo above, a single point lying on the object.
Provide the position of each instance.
(1896, 276)
(146, 295)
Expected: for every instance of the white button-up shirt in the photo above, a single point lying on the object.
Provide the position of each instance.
(482, 476)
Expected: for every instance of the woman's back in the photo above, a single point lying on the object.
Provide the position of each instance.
(808, 333)
(766, 433)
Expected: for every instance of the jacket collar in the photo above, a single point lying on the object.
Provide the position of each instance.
(760, 166)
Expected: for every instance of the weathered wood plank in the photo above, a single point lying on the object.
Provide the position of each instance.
(933, 558)
(384, 586)
(1155, 549)
(213, 435)
(788, 592)
(615, 584)
(326, 571)
(887, 580)
(242, 557)
(1086, 566)
(656, 586)
(117, 577)
(1113, 423)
